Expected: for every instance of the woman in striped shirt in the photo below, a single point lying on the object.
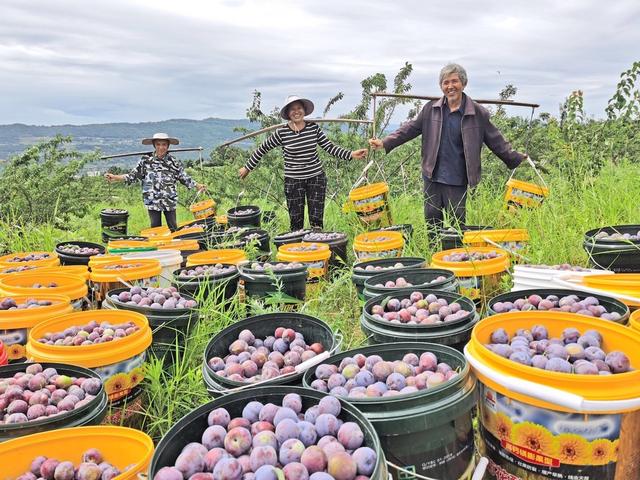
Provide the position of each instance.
(304, 178)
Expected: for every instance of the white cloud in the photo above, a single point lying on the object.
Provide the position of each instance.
(80, 62)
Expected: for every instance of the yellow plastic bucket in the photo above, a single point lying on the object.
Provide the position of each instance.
(120, 447)
(15, 324)
(155, 232)
(222, 255)
(634, 321)
(378, 244)
(182, 245)
(126, 246)
(617, 283)
(68, 285)
(371, 204)
(513, 240)
(17, 259)
(98, 260)
(535, 421)
(524, 194)
(478, 280)
(119, 362)
(222, 220)
(186, 231)
(109, 276)
(203, 209)
(316, 260)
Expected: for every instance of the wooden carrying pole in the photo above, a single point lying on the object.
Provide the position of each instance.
(428, 97)
(273, 127)
(137, 154)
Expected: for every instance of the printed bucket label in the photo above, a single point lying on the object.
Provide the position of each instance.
(524, 442)
(15, 342)
(120, 378)
(470, 287)
(369, 203)
(375, 255)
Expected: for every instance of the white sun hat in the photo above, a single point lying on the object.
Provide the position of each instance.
(306, 103)
(160, 136)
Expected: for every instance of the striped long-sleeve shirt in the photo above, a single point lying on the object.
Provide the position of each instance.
(300, 150)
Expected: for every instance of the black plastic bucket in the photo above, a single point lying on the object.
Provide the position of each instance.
(611, 304)
(113, 224)
(90, 414)
(262, 285)
(339, 256)
(619, 256)
(71, 259)
(454, 334)
(260, 237)
(405, 228)
(418, 277)
(170, 328)
(361, 274)
(268, 216)
(289, 237)
(224, 286)
(313, 329)
(247, 220)
(191, 426)
(451, 237)
(429, 432)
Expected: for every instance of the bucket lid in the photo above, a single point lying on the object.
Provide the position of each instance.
(179, 245)
(121, 446)
(475, 267)
(136, 269)
(131, 244)
(287, 252)
(379, 240)
(155, 231)
(79, 270)
(89, 356)
(8, 260)
(186, 231)
(497, 236)
(72, 286)
(203, 205)
(102, 259)
(559, 391)
(634, 320)
(528, 187)
(230, 255)
(165, 257)
(368, 191)
(28, 317)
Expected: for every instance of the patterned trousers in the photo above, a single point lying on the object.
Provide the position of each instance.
(313, 190)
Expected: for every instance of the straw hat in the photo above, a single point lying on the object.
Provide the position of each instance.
(306, 103)
(160, 136)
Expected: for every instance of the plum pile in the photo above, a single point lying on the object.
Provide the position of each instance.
(361, 376)
(418, 309)
(312, 247)
(90, 334)
(573, 352)
(276, 267)
(32, 257)
(252, 236)
(122, 266)
(21, 268)
(207, 271)
(295, 233)
(9, 303)
(92, 467)
(245, 211)
(271, 442)
(589, 306)
(72, 249)
(400, 282)
(379, 238)
(470, 257)
(617, 237)
(323, 236)
(42, 285)
(235, 230)
(156, 298)
(252, 359)
(565, 267)
(114, 211)
(38, 392)
(378, 268)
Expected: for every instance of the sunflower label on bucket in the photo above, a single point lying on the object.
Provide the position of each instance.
(526, 442)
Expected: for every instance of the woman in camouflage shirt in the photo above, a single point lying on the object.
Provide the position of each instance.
(159, 174)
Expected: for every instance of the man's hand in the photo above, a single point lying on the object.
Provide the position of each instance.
(110, 177)
(376, 143)
(359, 154)
(243, 172)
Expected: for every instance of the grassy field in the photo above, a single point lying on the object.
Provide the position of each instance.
(556, 231)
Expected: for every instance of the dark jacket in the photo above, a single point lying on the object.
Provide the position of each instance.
(476, 130)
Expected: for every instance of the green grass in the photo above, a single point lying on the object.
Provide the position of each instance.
(556, 230)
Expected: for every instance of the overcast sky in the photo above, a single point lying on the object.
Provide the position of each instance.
(78, 61)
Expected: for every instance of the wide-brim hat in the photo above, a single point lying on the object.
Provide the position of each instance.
(160, 136)
(306, 103)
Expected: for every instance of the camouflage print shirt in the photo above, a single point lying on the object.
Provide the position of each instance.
(159, 177)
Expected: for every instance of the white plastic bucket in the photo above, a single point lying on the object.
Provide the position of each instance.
(527, 277)
(170, 261)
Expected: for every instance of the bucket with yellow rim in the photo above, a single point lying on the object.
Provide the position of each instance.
(378, 244)
(371, 204)
(315, 256)
(477, 269)
(50, 283)
(203, 209)
(130, 246)
(109, 276)
(222, 255)
(515, 240)
(41, 259)
(623, 286)
(160, 231)
(525, 194)
(538, 424)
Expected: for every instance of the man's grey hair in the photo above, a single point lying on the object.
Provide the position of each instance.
(454, 68)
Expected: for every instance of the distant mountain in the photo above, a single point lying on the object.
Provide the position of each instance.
(113, 138)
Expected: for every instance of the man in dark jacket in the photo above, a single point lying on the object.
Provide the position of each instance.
(453, 130)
